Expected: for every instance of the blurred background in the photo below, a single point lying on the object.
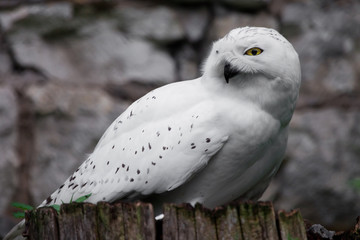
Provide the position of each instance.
(69, 68)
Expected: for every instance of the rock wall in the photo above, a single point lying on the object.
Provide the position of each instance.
(67, 69)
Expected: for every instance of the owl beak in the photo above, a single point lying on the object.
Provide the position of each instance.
(229, 71)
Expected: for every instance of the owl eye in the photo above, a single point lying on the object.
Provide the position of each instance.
(253, 51)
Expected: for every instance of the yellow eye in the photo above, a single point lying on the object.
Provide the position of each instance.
(253, 51)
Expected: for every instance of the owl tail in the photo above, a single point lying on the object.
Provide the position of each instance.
(16, 232)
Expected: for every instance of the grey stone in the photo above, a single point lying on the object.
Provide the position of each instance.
(322, 159)
(160, 24)
(194, 22)
(323, 34)
(227, 21)
(61, 10)
(319, 231)
(187, 63)
(5, 65)
(246, 4)
(70, 120)
(8, 157)
(97, 54)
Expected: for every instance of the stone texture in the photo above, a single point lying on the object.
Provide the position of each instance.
(159, 24)
(8, 156)
(323, 32)
(69, 123)
(322, 159)
(57, 10)
(227, 21)
(188, 63)
(195, 22)
(245, 4)
(95, 53)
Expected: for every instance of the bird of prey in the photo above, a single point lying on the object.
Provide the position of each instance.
(211, 140)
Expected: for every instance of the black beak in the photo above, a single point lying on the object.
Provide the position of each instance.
(229, 71)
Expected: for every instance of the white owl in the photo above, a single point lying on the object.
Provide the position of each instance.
(210, 140)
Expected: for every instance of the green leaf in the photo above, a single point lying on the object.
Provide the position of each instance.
(56, 207)
(355, 183)
(83, 198)
(22, 206)
(289, 237)
(19, 214)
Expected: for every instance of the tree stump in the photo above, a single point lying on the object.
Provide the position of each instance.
(240, 221)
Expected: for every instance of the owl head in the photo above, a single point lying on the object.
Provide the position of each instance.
(255, 64)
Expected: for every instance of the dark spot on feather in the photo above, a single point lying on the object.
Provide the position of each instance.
(75, 186)
(192, 144)
(117, 170)
(193, 147)
(147, 170)
(48, 200)
(91, 183)
(135, 152)
(113, 146)
(91, 162)
(142, 149)
(72, 178)
(206, 150)
(94, 167)
(208, 140)
(84, 185)
(149, 145)
(70, 185)
(169, 128)
(61, 186)
(119, 121)
(153, 97)
(131, 179)
(143, 130)
(138, 171)
(153, 163)
(104, 198)
(164, 148)
(179, 142)
(157, 133)
(107, 163)
(123, 165)
(127, 169)
(77, 170)
(123, 149)
(146, 182)
(160, 156)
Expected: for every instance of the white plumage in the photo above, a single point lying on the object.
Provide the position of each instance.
(210, 140)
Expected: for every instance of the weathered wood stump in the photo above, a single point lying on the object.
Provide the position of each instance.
(136, 221)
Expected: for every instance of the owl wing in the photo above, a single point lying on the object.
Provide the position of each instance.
(157, 144)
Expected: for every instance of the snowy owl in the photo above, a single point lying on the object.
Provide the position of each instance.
(211, 140)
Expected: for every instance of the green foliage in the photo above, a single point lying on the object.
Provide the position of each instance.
(25, 207)
(355, 183)
(21, 206)
(83, 198)
(289, 237)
